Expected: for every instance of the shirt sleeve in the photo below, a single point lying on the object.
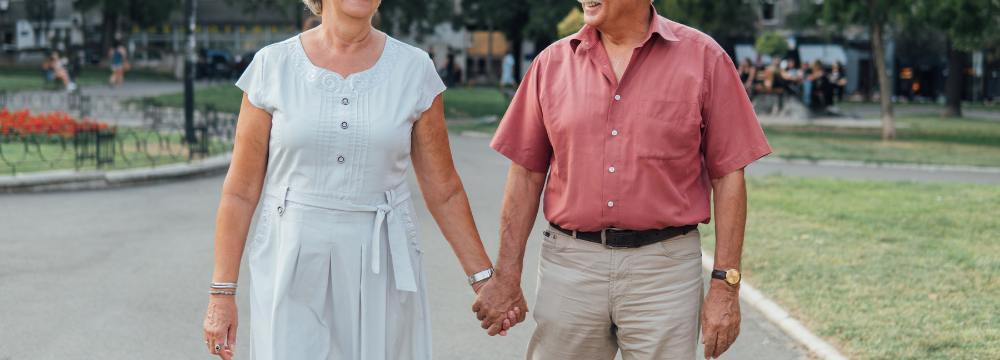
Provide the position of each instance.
(430, 86)
(732, 135)
(253, 82)
(522, 136)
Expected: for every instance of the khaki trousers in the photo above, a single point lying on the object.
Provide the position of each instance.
(593, 301)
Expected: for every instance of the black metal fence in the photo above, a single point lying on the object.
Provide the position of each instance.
(140, 133)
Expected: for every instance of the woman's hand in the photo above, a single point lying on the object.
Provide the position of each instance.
(220, 325)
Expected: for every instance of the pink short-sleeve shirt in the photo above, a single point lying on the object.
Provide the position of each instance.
(637, 154)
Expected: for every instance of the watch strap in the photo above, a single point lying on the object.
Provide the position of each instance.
(719, 274)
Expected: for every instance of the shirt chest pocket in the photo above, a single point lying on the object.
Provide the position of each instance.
(667, 130)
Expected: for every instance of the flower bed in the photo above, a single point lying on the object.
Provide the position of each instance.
(23, 123)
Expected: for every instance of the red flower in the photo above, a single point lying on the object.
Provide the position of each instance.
(22, 123)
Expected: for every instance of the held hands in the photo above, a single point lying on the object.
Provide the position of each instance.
(499, 304)
(720, 318)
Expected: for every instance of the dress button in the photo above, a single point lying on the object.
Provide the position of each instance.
(611, 169)
(340, 159)
(618, 97)
(344, 101)
(611, 204)
(343, 125)
(614, 132)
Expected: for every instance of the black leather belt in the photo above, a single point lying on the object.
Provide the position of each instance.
(617, 238)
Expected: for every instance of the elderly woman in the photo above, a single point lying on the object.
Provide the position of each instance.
(330, 122)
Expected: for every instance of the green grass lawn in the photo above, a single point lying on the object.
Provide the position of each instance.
(884, 270)
(24, 79)
(225, 98)
(466, 102)
(923, 140)
(134, 149)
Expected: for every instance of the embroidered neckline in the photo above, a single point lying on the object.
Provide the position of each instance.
(358, 82)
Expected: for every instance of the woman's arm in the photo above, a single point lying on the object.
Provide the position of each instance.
(240, 193)
(443, 191)
(241, 190)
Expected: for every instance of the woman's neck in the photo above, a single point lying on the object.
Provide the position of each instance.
(344, 33)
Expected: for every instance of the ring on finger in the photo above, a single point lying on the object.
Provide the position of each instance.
(218, 347)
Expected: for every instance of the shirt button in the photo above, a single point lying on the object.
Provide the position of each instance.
(340, 159)
(611, 169)
(344, 101)
(614, 132)
(343, 125)
(618, 97)
(611, 204)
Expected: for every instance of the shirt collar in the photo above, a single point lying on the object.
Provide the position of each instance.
(587, 36)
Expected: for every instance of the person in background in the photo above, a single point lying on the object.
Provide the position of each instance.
(747, 74)
(507, 71)
(118, 58)
(838, 81)
(791, 75)
(817, 84)
(55, 70)
(806, 84)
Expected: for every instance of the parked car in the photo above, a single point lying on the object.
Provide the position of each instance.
(215, 64)
(242, 62)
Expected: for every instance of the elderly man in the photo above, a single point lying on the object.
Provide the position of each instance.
(637, 120)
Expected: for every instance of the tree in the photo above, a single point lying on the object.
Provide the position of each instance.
(518, 20)
(874, 14)
(118, 14)
(968, 25)
(396, 16)
(770, 43)
(722, 19)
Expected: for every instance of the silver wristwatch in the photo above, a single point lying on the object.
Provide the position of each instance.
(480, 276)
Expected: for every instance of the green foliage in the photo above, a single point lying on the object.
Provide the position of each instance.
(771, 43)
(135, 12)
(518, 19)
(718, 18)
(969, 24)
(572, 23)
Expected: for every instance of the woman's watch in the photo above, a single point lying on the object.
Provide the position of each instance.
(480, 276)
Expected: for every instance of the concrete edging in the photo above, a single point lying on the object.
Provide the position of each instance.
(67, 180)
(775, 314)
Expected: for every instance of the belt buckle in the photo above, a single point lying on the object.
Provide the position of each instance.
(604, 239)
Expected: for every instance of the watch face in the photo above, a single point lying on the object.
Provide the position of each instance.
(732, 276)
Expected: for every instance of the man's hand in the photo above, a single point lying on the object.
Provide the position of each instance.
(500, 305)
(720, 318)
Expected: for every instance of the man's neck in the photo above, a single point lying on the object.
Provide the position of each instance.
(630, 29)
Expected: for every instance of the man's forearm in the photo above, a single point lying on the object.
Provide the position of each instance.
(517, 217)
(730, 198)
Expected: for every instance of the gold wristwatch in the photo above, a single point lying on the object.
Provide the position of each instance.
(731, 276)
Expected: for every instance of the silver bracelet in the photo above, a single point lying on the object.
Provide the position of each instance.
(481, 276)
(221, 292)
(216, 285)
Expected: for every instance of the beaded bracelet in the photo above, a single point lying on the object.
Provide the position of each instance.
(221, 292)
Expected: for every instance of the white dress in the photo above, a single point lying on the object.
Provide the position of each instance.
(335, 265)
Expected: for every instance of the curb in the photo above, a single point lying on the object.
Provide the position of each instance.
(894, 166)
(69, 180)
(775, 314)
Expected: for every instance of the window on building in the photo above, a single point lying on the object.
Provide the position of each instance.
(768, 11)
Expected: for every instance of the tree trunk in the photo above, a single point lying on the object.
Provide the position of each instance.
(885, 89)
(953, 85)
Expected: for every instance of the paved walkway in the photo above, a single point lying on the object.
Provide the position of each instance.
(120, 274)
